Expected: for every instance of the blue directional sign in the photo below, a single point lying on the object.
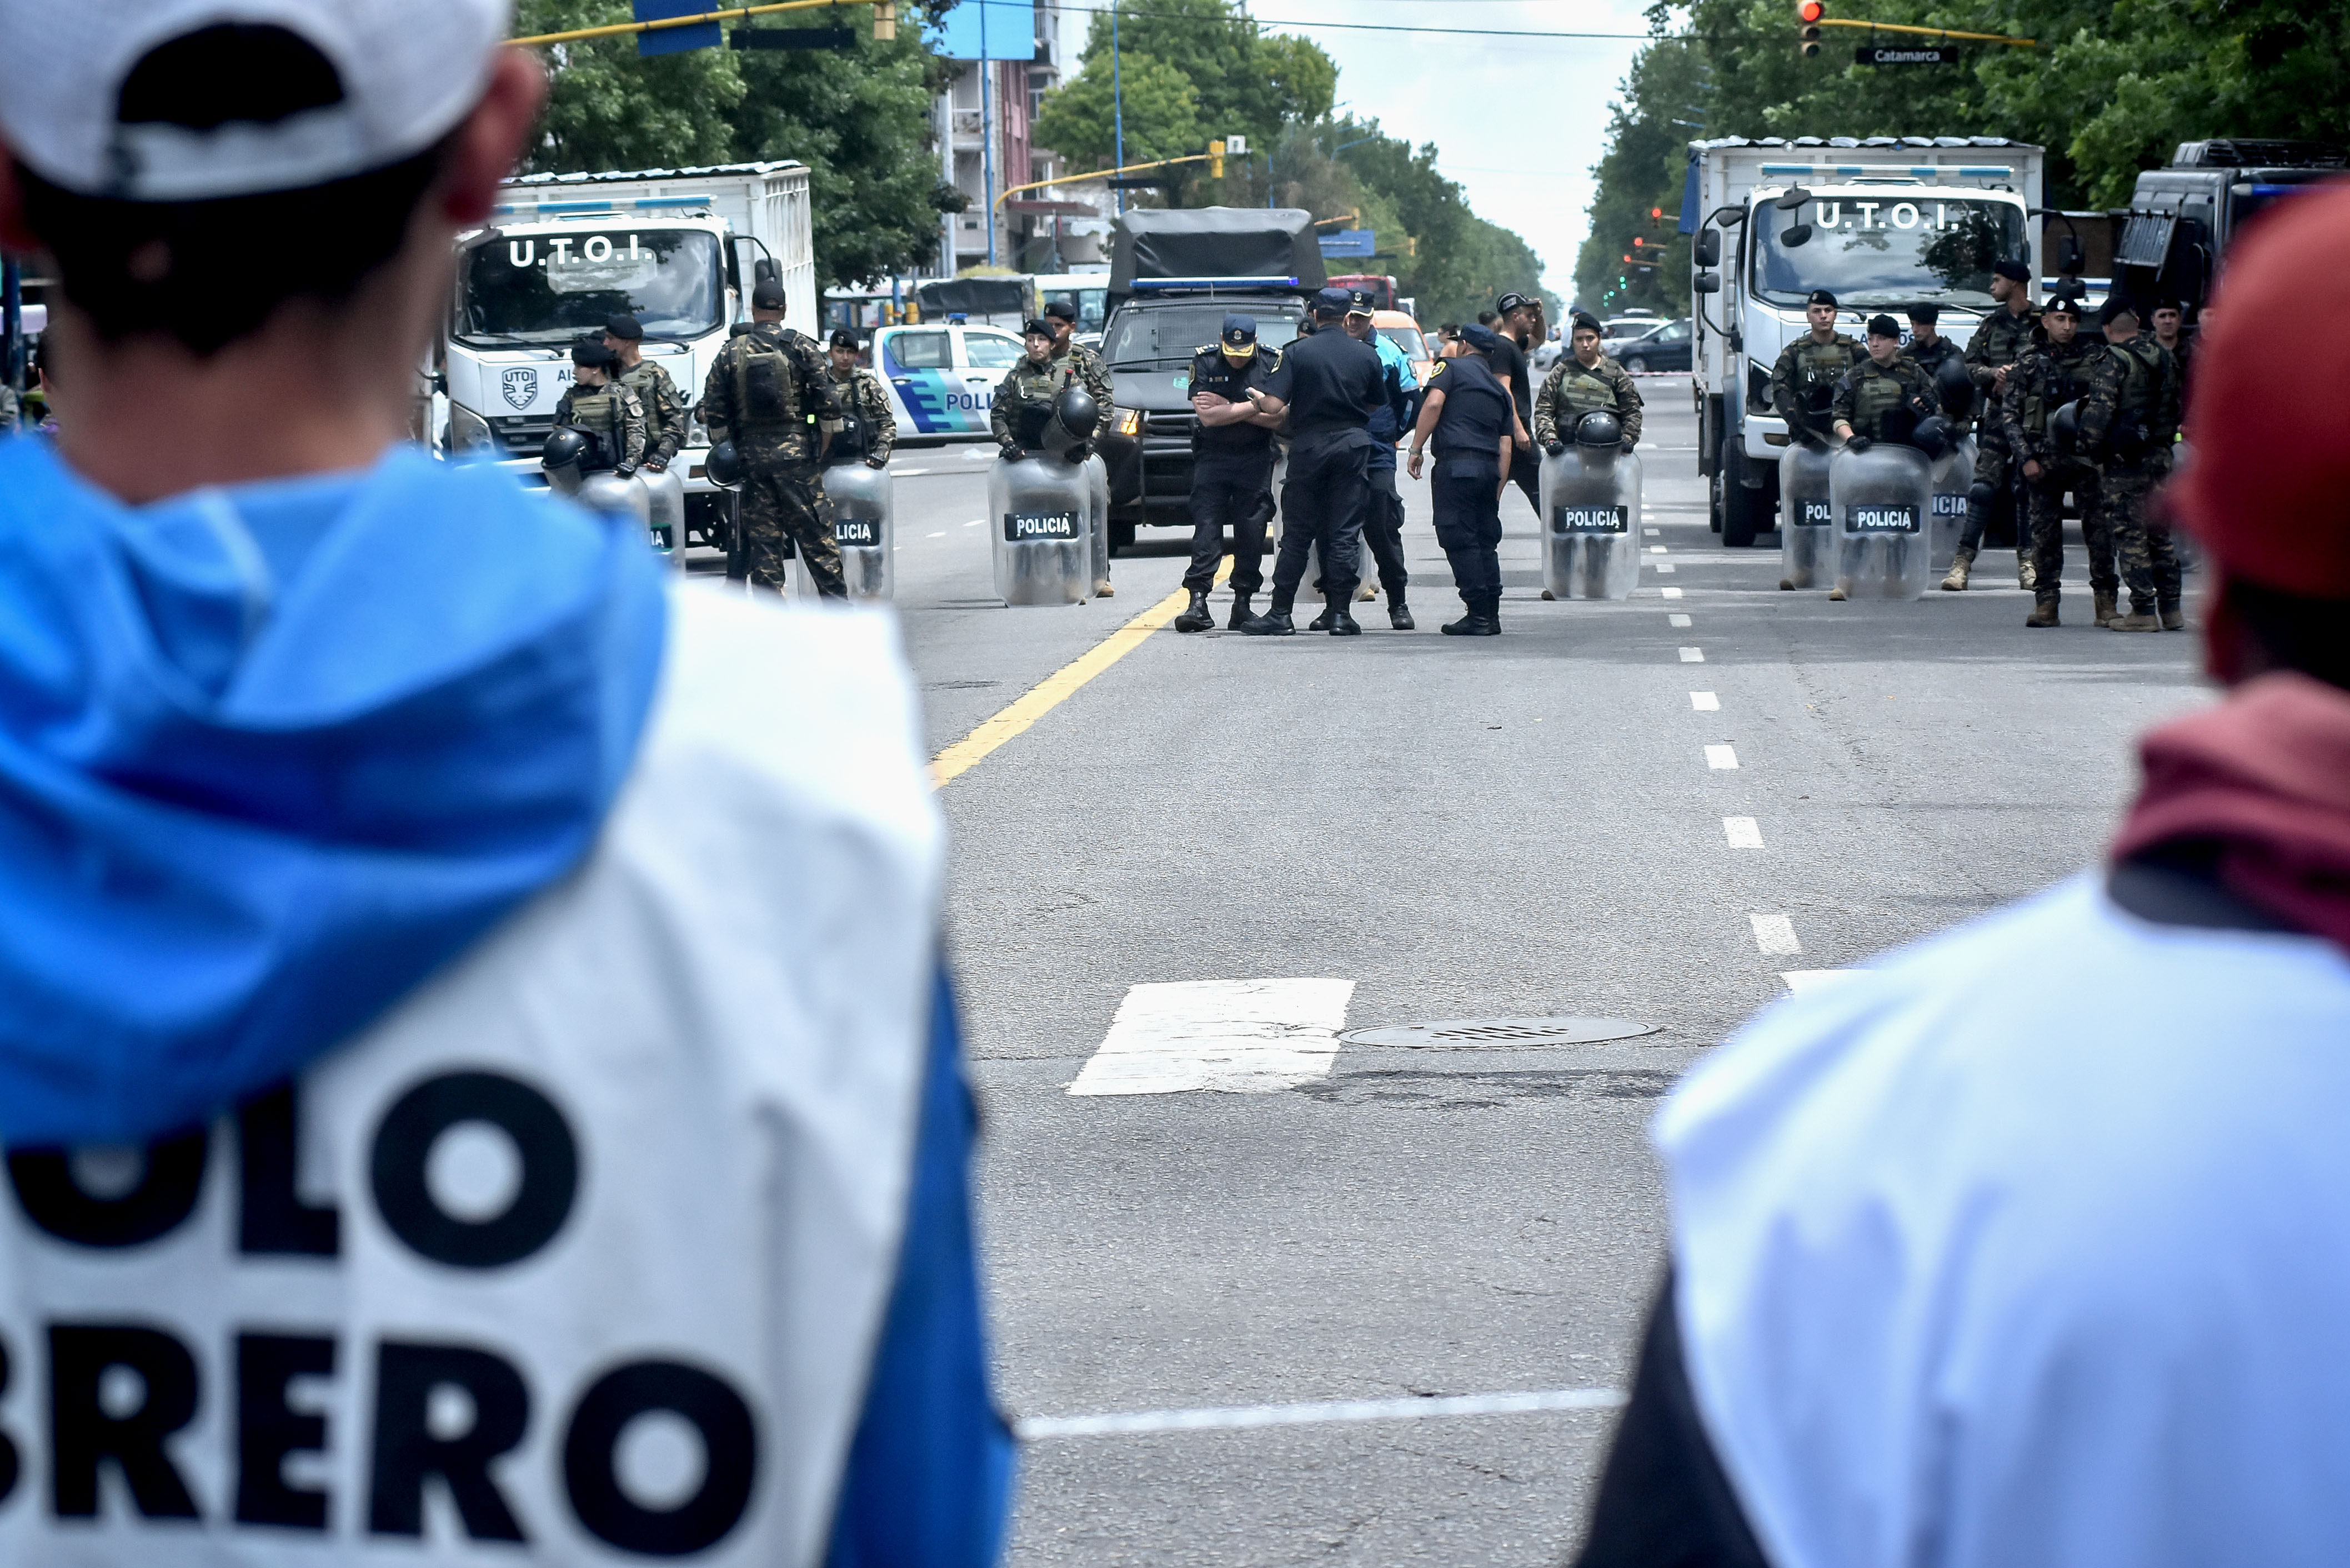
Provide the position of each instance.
(1348, 243)
(676, 40)
(989, 30)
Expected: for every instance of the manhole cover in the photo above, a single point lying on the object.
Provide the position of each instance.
(1468, 1033)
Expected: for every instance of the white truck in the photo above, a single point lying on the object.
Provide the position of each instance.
(1881, 223)
(679, 248)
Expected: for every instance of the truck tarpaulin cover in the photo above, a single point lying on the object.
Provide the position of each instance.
(1215, 241)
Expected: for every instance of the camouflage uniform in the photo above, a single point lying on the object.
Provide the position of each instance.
(612, 412)
(664, 410)
(766, 392)
(2130, 417)
(1024, 399)
(868, 400)
(1092, 375)
(1882, 403)
(1999, 341)
(1931, 360)
(11, 414)
(2048, 376)
(1801, 381)
(1572, 390)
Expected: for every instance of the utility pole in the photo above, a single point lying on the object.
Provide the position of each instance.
(986, 137)
(1117, 106)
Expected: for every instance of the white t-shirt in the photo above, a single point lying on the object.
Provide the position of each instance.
(2031, 1245)
(579, 1255)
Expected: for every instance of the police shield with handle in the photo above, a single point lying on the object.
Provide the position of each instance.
(856, 474)
(1803, 389)
(1041, 497)
(1881, 483)
(1586, 382)
(425, 1110)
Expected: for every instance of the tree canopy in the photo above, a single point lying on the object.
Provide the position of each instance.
(2110, 89)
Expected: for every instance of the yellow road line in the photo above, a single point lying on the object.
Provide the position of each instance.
(1058, 687)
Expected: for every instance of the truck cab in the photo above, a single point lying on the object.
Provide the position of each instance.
(1892, 224)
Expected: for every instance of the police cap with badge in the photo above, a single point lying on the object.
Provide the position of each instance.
(1238, 339)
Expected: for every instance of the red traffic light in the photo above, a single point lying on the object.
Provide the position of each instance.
(1638, 242)
(1810, 10)
(1627, 261)
(1656, 214)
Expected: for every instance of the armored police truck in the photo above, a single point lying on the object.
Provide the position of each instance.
(679, 249)
(1881, 224)
(2181, 219)
(1174, 275)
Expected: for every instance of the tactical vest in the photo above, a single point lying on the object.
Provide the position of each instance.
(1585, 392)
(854, 438)
(2130, 436)
(1818, 366)
(596, 411)
(1033, 388)
(766, 382)
(2057, 385)
(2005, 336)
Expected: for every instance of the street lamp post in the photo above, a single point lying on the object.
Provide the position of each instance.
(1117, 106)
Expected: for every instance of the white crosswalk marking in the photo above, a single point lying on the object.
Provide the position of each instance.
(1705, 703)
(1242, 1036)
(1670, 593)
(1775, 934)
(1720, 757)
(1676, 620)
(1693, 656)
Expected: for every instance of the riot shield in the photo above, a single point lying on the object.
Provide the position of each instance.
(1883, 498)
(1038, 512)
(1954, 474)
(1806, 524)
(665, 509)
(1096, 474)
(1591, 522)
(861, 498)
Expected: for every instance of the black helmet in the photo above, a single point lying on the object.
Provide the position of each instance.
(1932, 435)
(1075, 415)
(1956, 387)
(2064, 427)
(724, 465)
(1598, 428)
(566, 447)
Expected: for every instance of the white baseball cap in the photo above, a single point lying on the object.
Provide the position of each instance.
(358, 83)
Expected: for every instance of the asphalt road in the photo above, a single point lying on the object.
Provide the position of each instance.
(1524, 827)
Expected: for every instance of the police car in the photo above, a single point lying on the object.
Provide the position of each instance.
(943, 377)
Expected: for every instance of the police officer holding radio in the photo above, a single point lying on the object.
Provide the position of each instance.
(1466, 412)
(1328, 386)
(1232, 470)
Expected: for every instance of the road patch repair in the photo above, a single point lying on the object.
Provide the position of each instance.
(1237, 1036)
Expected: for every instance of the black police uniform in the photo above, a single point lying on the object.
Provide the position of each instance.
(1383, 526)
(1465, 487)
(1232, 476)
(1526, 463)
(1331, 384)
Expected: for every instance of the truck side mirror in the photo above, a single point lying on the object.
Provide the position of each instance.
(2069, 259)
(1706, 283)
(1706, 249)
(1792, 200)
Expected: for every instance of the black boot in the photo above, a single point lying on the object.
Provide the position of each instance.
(1195, 616)
(1338, 620)
(1321, 622)
(1400, 614)
(1241, 616)
(1481, 620)
(1274, 622)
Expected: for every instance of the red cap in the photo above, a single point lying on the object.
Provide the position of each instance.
(2269, 489)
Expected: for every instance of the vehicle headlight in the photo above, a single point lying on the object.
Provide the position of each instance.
(1126, 421)
(468, 432)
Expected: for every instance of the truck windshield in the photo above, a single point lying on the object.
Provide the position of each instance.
(551, 288)
(1886, 249)
(1168, 334)
(1088, 303)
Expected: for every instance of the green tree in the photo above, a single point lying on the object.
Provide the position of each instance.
(1161, 112)
(1246, 81)
(860, 120)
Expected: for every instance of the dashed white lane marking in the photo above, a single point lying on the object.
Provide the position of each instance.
(1693, 656)
(1242, 1417)
(1804, 979)
(1656, 549)
(1670, 593)
(1743, 832)
(1775, 934)
(940, 535)
(906, 472)
(1719, 757)
(1662, 565)
(975, 522)
(1676, 620)
(1241, 1036)
(1705, 703)
(1652, 533)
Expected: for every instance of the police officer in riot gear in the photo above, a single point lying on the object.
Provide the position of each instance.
(1999, 343)
(2129, 418)
(664, 410)
(1466, 413)
(1584, 381)
(1884, 397)
(1329, 387)
(1093, 373)
(2048, 376)
(768, 391)
(1927, 346)
(867, 429)
(608, 413)
(1232, 470)
(1802, 381)
(1024, 399)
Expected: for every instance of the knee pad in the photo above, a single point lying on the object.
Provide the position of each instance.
(1981, 494)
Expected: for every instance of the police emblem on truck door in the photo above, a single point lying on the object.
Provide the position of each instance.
(521, 386)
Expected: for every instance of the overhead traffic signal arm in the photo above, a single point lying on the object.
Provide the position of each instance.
(1811, 15)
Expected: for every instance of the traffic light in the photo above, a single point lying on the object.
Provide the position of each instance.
(1638, 242)
(885, 20)
(1809, 12)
